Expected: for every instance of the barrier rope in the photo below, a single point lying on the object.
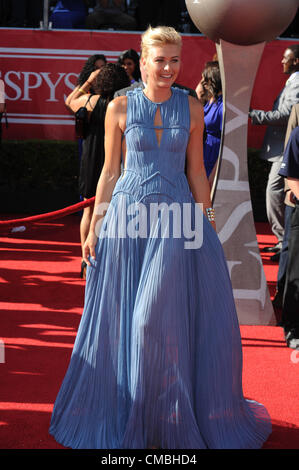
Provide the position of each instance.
(47, 216)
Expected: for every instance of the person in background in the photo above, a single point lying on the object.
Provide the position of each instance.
(94, 62)
(104, 82)
(110, 12)
(213, 116)
(290, 310)
(201, 93)
(289, 209)
(130, 61)
(276, 121)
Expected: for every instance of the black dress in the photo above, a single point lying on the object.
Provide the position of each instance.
(93, 154)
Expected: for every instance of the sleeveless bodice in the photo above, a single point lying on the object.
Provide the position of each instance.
(150, 167)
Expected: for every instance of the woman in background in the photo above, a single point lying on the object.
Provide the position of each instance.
(201, 93)
(104, 82)
(130, 61)
(94, 62)
(213, 114)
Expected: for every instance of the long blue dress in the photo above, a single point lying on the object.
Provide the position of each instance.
(213, 114)
(157, 361)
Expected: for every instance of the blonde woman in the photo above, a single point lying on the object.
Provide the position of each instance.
(157, 360)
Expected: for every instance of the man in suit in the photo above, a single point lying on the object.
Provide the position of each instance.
(273, 145)
(289, 208)
(290, 311)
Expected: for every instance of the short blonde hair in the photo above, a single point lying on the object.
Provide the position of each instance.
(159, 36)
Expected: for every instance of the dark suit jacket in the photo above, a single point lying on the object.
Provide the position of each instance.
(124, 91)
(277, 120)
(292, 123)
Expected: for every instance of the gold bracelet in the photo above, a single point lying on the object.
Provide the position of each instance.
(82, 91)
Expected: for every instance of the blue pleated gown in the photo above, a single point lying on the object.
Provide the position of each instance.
(157, 361)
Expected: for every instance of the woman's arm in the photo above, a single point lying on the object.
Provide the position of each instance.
(78, 96)
(114, 128)
(213, 174)
(70, 97)
(196, 172)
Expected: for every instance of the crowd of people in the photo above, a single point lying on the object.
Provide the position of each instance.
(97, 14)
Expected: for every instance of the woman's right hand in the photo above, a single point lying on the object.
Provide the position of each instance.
(89, 247)
(93, 75)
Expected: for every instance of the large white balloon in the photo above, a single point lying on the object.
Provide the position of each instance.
(242, 22)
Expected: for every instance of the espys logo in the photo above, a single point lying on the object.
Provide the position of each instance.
(20, 84)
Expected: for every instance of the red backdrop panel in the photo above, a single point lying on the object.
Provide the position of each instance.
(40, 68)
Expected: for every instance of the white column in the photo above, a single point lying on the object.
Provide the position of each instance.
(232, 201)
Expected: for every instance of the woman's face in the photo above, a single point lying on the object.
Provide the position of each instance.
(162, 65)
(129, 66)
(99, 64)
(201, 93)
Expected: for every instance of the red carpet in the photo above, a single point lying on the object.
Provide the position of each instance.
(41, 298)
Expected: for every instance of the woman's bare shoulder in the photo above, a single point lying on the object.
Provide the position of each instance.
(195, 104)
(196, 109)
(118, 105)
(117, 112)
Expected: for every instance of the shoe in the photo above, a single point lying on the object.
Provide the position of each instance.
(275, 258)
(292, 338)
(83, 270)
(272, 249)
